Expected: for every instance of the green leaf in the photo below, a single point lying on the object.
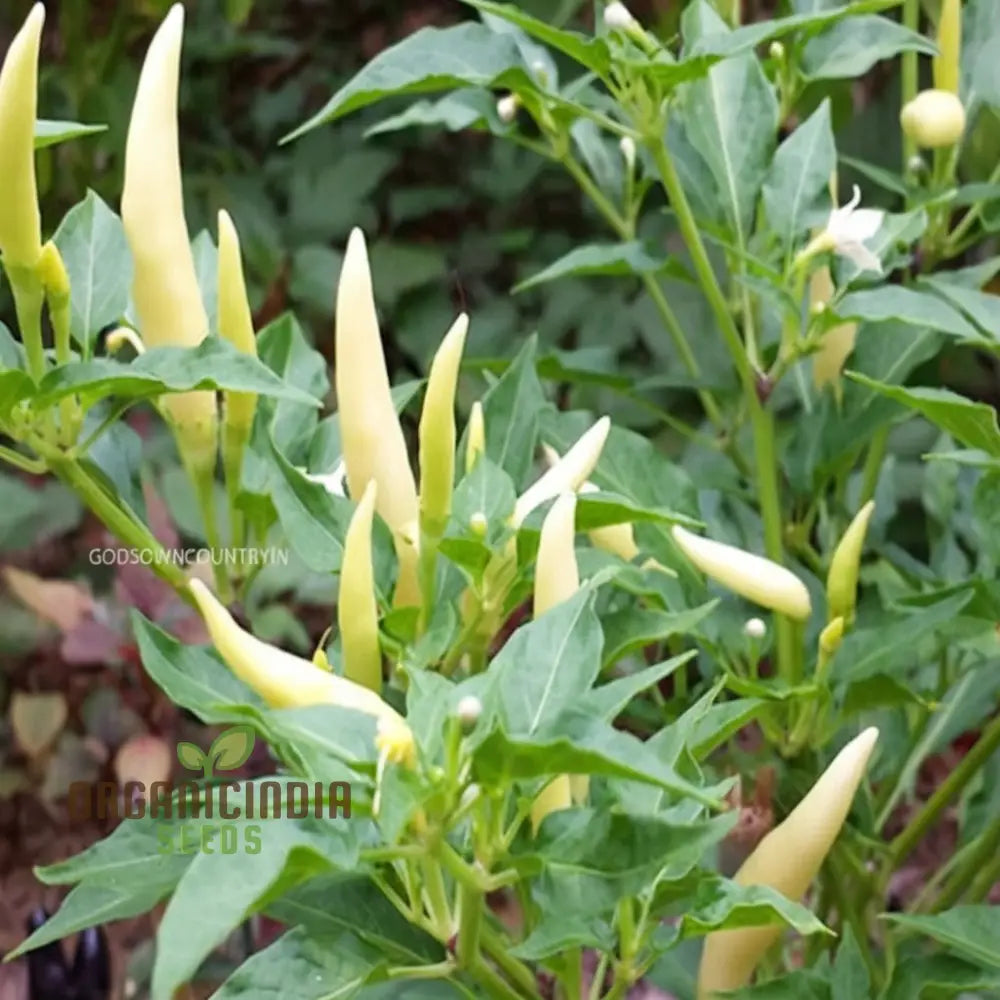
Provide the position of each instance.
(591, 52)
(907, 305)
(463, 55)
(510, 412)
(731, 118)
(611, 259)
(342, 733)
(610, 700)
(49, 133)
(972, 932)
(232, 748)
(191, 756)
(853, 46)
(321, 967)
(213, 364)
(218, 889)
(974, 424)
(464, 109)
(331, 904)
(486, 490)
(938, 976)
(978, 306)
(850, 979)
(797, 185)
(91, 240)
(633, 627)
(194, 678)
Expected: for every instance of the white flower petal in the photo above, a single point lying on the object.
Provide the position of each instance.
(865, 223)
(860, 255)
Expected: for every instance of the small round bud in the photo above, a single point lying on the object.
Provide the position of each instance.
(478, 524)
(507, 108)
(916, 165)
(754, 628)
(618, 17)
(817, 309)
(468, 711)
(540, 72)
(777, 51)
(934, 119)
(627, 146)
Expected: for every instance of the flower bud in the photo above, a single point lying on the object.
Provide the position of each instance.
(437, 431)
(468, 711)
(754, 628)
(786, 860)
(916, 165)
(478, 524)
(831, 637)
(627, 146)
(842, 580)
(52, 272)
(357, 610)
(777, 51)
(934, 119)
(507, 108)
(20, 222)
(618, 17)
(947, 63)
(121, 336)
(475, 440)
(759, 580)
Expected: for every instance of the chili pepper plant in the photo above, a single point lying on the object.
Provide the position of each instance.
(560, 649)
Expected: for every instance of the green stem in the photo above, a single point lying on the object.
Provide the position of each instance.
(29, 296)
(437, 970)
(470, 922)
(427, 576)
(970, 864)
(625, 231)
(234, 443)
(33, 465)
(119, 522)
(573, 974)
(987, 877)
(513, 968)
(951, 787)
(873, 464)
(493, 983)
(436, 896)
(969, 219)
(909, 75)
(204, 486)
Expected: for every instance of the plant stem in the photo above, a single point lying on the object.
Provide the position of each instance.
(33, 465)
(204, 486)
(470, 922)
(119, 522)
(625, 231)
(968, 220)
(436, 897)
(952, 786)
(976, 856)
(234, 441)
(513, 968)
(492, 983)
(29, 297)
(873, 464)
(909, 75)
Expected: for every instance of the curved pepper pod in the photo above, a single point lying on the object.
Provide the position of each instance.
(787, 860)
(947, 67)
(20, 221)
(235, 320)
(437, 431)
(757, 579)
(357, 610)
(842, 580)
(164, 283)
(934, 119)
(556, 580)
(373, 442)
(838, 342)
(287, 681)
(568, 474)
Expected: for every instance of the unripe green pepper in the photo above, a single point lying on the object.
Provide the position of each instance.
(475, 442)
(20, 222)
(557, 579)
(759, 580)
(357, 610)
(437, 432)
(842, 580)
(787, 860)
(287, 681)
(164, 284)
(373, 443)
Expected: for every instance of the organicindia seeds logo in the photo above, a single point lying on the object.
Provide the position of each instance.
(179, 810)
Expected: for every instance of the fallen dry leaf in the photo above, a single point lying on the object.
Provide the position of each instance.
(63, 603)
(37, 719)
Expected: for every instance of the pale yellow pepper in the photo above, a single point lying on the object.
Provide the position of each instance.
(787, 860)
(842, 579)
(357, 609)
(475, 442)
(165, 285)
(838, 342)
(20, 222)
(372, 438)
(947, 66)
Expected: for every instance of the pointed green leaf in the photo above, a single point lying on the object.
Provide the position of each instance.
(232, 748)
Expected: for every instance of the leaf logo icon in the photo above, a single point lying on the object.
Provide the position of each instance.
(230, 750)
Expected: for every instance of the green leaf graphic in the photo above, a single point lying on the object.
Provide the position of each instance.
(232, 748)
(192, 757)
